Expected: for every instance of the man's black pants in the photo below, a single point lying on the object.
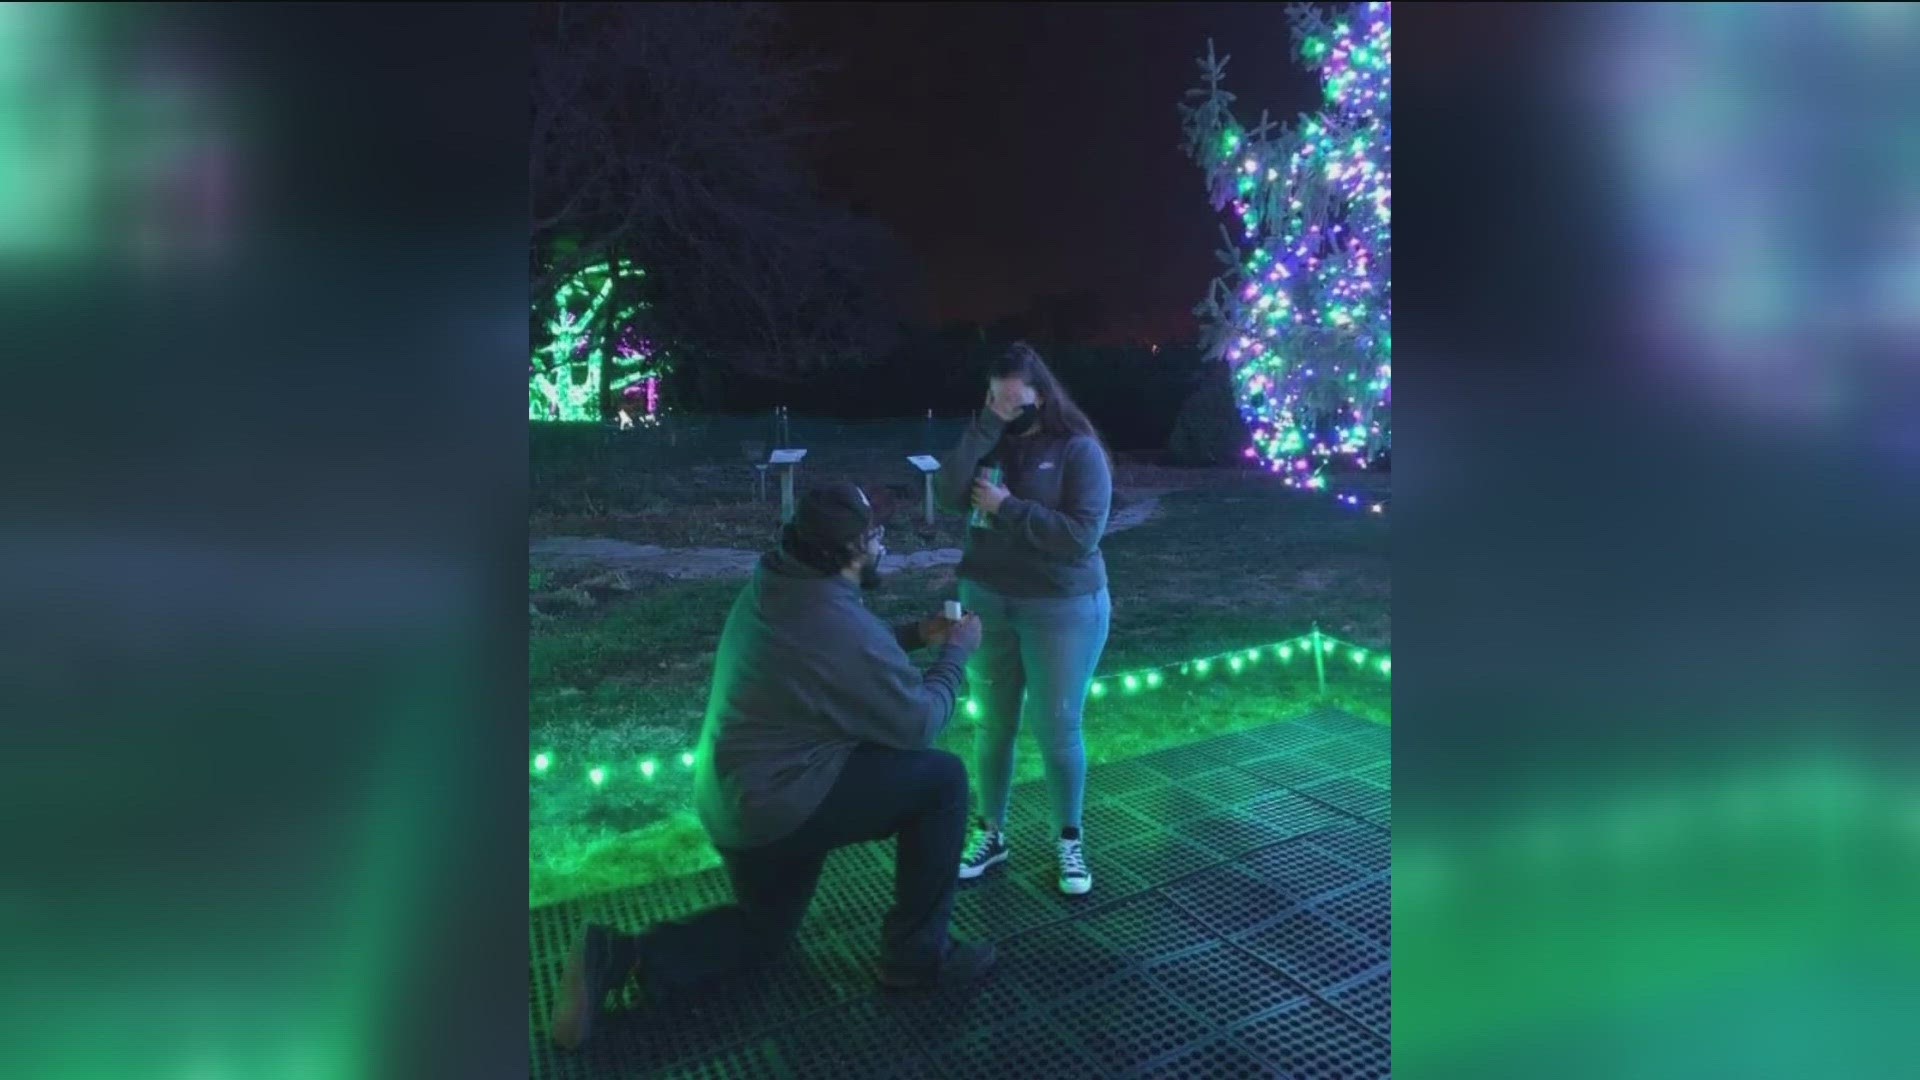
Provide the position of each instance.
(919, 796)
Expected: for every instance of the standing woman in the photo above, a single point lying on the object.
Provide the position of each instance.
(1034, 573)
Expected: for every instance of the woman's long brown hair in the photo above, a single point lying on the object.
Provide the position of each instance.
(1060, 418)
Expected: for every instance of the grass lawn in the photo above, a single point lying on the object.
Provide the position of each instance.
(1240, 562)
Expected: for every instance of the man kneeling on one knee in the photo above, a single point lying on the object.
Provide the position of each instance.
(818, 734)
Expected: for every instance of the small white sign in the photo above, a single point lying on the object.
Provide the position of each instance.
(786, 457)
(925, 463)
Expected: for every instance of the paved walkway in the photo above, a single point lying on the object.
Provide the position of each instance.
(699, 563)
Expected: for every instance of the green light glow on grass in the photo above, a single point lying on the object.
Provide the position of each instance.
(1132, 682)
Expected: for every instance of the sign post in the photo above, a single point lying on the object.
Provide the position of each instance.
(927, 466)
(791, 459)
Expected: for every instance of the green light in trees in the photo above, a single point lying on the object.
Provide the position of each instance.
(595, 346)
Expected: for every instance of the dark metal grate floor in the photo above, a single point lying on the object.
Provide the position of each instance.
(1239, 926)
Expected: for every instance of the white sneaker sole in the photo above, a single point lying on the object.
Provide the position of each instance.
(968, 873)
(1077, 886)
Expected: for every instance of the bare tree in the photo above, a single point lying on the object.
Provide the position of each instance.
(661, 135)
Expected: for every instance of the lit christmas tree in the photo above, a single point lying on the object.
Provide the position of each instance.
(596, 361)
(1303, 316)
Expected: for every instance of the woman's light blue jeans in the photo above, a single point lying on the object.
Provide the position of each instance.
(1035, 662)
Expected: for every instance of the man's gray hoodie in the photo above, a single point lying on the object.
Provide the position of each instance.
(804, 673)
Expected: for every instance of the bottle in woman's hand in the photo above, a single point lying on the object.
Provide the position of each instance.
(992, 474)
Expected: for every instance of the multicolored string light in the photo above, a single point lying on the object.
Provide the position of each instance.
(1304, 317)
(593, 344)
(1232, 664)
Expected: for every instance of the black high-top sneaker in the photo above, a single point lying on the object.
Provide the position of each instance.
(987, 847)
(1075, 878)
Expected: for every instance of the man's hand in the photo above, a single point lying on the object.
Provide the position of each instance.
(965, 633)
(988, 495)
(934, 630)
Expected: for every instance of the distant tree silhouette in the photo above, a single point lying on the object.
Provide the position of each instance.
(659, 137)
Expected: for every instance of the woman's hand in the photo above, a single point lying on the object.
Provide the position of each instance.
(988, 495)
(1006, 411)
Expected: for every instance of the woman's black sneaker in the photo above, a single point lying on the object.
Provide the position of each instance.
(987, 847)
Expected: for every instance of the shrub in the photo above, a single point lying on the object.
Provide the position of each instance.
(1208, 432)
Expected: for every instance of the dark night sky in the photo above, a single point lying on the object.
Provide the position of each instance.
(1025, 149)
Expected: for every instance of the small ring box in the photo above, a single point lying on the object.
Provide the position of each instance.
(953, 611)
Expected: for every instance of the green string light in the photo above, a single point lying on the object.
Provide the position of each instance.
(592, 340)
(1302, 323)
(1132, 682)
